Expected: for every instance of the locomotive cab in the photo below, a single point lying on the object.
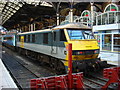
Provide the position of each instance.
(85, 48)
(84, 44)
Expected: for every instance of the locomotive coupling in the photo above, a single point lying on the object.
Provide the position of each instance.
(88, 65)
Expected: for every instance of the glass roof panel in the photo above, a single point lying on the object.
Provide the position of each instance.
(8, 9)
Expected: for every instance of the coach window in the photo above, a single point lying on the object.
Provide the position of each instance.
(45, 38)
(8, 38)
(19, 38)
(62, 35)
(28, 38)
(54, 36)
(33, 38)
(24, 38)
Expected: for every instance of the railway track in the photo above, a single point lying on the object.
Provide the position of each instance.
(21, 74)
(22, 70)
(96, 81)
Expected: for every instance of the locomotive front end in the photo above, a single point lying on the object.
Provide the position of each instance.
(85, 50)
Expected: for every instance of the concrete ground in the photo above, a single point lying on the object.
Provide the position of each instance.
(6, 81)
(110, 57)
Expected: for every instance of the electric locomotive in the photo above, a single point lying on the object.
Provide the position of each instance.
(49, 46)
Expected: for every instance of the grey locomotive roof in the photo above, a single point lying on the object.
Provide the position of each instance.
(72, 25)
(45, 30)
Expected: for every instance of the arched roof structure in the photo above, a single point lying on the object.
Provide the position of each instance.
(112, 7)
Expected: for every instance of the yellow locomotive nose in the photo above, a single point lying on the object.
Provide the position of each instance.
(84, 49)
(84, 45)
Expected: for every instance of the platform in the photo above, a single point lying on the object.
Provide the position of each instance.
(111, 57)
(6, 80)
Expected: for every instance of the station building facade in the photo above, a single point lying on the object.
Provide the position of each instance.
(107, 28)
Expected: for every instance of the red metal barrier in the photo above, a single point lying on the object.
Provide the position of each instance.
(113, 74)
(62, 81)
(57, 82)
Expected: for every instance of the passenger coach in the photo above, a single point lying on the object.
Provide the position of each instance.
(9, 40)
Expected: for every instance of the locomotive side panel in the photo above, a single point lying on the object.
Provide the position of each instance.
(44, 44)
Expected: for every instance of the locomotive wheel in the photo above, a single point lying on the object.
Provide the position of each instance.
(19, 50)
(57, 66)
(52, 63)
(60, 67)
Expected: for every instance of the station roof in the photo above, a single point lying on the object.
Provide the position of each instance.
(20, 13)
(27, 14)
(17, 14)
(7, 9)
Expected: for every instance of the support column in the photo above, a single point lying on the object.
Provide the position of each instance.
(71, 10)
(101, 20)
(108, 18)
(92, 13)
(96, 20)
(58, 20)
(112, 42)
(34, 27)
(31, 27)
(100, 42)
(71, 15)
(0, 19)
(22, 28)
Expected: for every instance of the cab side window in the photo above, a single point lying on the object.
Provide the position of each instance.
(33, 38)
(24, 38)
(45, 38)
(28, 38)
(62, 35)
(54, 36)
(19, 38)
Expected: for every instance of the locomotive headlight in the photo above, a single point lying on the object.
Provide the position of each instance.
(79, 53)
(96, 51)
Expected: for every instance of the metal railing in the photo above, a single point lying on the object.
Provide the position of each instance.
(110, 17)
